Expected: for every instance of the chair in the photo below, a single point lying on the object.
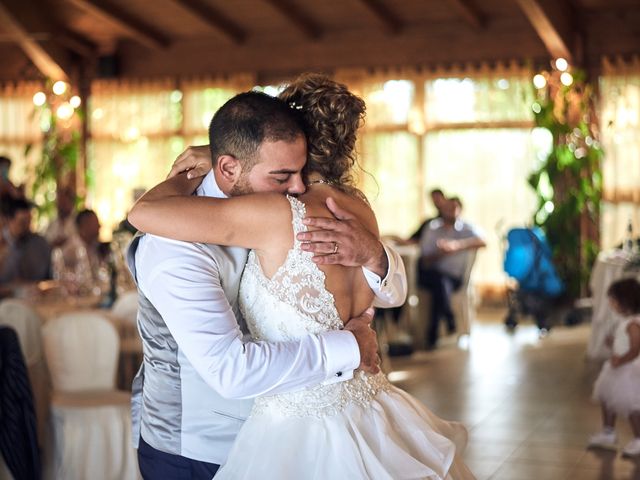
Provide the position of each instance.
(463, 300)
(28, 324)
(126, 306)
(125, 310)
(463, 305)
(91, 420)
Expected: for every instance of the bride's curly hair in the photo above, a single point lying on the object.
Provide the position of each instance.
(332, 116)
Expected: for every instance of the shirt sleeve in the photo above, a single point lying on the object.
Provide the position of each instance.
(185, 287)
(391, 291)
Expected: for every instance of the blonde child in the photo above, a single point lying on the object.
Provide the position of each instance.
(618, 385)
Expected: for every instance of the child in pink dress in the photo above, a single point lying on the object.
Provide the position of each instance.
(618, 385)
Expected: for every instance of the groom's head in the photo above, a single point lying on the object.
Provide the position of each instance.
(257, 145)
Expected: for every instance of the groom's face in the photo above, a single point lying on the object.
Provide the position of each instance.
(278, 168)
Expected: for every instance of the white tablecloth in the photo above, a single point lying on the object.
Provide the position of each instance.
(609, 267)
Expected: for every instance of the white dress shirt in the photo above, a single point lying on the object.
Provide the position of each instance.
(186, 285)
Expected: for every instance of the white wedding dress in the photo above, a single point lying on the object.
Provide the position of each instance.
(363, 428)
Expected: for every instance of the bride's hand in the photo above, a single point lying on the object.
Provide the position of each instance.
(196, 160)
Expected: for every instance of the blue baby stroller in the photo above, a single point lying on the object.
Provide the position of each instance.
(528, 260)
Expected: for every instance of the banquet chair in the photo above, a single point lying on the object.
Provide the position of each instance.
(91, 420)
(463, 305)
(125, 310)
(28, 324)
(464, 300)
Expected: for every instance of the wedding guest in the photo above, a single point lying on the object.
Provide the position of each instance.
(443, 261)
(64, 225)
(7, 188)
(25, 256)
(618, 385)
(438, 199)
(83, 253)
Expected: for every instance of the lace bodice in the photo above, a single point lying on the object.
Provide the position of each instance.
(292, 303)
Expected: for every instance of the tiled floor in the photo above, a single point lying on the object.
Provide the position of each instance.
(525, 400)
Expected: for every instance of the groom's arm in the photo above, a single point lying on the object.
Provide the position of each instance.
(183, 283)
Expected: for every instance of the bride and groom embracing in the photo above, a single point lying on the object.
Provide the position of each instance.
(257, 250)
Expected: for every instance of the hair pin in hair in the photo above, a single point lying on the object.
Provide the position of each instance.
(295, 106)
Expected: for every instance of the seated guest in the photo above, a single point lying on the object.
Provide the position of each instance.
(7, 188)
(25, 256)
(64, 225)
(83, 254)
(443, 262)
(438, 199)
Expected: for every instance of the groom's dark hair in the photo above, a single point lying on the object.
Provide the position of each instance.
(248, 119)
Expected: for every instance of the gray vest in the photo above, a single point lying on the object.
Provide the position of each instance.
(173, 408)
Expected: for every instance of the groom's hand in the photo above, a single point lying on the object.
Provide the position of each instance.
(343, 240)
(367, 341)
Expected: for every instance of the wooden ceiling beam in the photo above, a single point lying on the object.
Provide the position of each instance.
(76, 43)
(215, 19)
(385, 15)
(132, 26)
(551, 21)
(49, 58)
(470, 13)
(300, 19)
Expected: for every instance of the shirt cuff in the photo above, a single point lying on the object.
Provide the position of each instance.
(342, 355)
(374, 280)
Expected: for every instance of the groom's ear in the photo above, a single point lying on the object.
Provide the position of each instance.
(229, 168)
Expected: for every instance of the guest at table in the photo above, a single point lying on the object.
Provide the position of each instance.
(438, 199)
(63, 226)
(25, 256)
(7, 188)
(84, 255)
(443, 262)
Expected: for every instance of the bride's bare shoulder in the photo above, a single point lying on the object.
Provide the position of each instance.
(316, 206)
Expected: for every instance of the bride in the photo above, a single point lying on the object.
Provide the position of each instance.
(362, 428)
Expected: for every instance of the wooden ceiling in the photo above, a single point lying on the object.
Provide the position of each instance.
(276, 38)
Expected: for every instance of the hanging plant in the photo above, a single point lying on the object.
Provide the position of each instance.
(60, 117)
(569, 181)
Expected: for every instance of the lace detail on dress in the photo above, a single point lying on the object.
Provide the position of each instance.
(298, 283)
(323, 400)
(288, 306)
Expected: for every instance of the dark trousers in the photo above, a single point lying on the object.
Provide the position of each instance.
(157, 465)
(441, 286)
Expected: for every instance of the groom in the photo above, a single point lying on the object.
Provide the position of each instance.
(193, 391)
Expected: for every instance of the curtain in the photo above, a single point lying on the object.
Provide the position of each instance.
(472, 136)
(620, 125)
(134, 138)
(137, 129)
(19, 128)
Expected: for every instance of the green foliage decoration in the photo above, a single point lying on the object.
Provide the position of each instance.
(568, 183)
(60, 121)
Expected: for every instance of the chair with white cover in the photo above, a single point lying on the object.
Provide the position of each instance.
(463, 305)
(18, 315)
(463, 300)
(125, 310)
(91, 420)
(126, 306)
